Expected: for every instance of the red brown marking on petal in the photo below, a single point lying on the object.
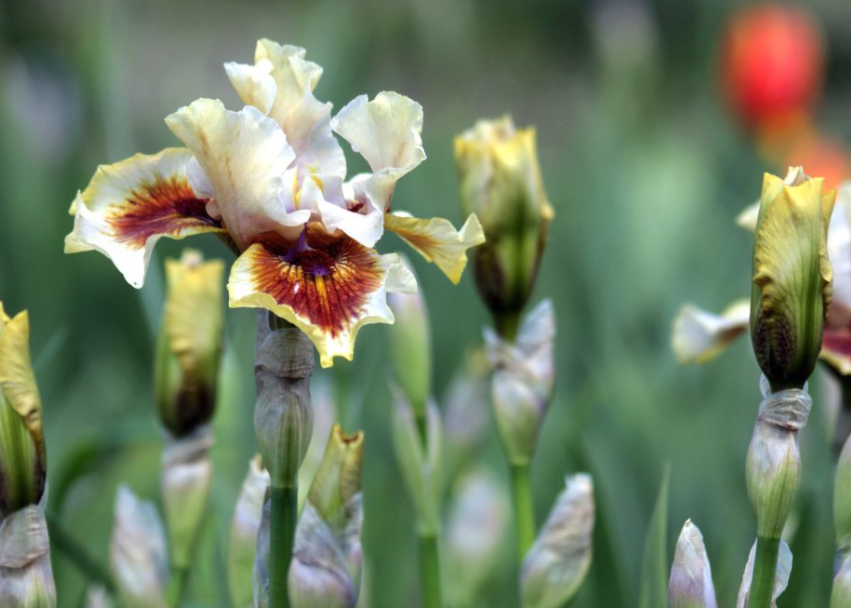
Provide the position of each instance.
(328, 284)
(167, 206)
(355, 206)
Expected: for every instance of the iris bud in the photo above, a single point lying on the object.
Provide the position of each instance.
(691, 585)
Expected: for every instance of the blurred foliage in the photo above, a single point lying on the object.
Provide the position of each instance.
(644, 167)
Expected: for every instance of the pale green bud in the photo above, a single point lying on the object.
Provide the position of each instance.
(242, 544)
(840, 596)
(138, 555)
(522, 382)
(791, 277)
(558, 562)
(476, 533)
(781, 575)
(23, 462)
(26, 577)
(189, 345)
(773, 466)
(500, 181)
(420, 464)
(187, 476)
(283, 417)
(410, 347)
(690, 585)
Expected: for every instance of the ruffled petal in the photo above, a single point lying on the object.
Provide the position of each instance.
(244, 156)
(700, 335)
(437, 240)
(305, 120)
(128, 206)
(329, 291)
(254, 83)
(345, 208)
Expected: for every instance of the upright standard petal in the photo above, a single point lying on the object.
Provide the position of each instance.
(329, 289)
(437, 240)
(128, 206)
(243, 157)
(700, 335)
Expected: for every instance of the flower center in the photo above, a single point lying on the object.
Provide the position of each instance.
(314, 262)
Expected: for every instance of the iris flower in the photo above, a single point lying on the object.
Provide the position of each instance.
(271, 178)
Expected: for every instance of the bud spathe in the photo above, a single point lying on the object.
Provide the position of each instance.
(26, 576)
(791, 277)
(23, 462)
(781, 575)
(189, 345)
(500, 181)
(558, 562)
(690, 585)
(522, 382)
(840, 595)
(242, 543)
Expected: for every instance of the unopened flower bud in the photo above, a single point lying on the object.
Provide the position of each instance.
(420, 463)
(26, 577)
(690, 585)
(138, 555)
(324, 413)
(522, 382)
(410, 347)
(23, 463)
(500, 181)
(187, 476)
(557, 563)
(840, 596)
(476, 531)
(773, 466)
(283, 417)
(791, 277)
(242, 545)
(781, 575)
(327, 559)
(189, 345)
(466, 415)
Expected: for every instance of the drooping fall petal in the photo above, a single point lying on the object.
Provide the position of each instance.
(329, 290)
(241, 159)
(437, 240)
(130, 205)
(700, 335)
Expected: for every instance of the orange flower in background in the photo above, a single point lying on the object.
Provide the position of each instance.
(771, 64)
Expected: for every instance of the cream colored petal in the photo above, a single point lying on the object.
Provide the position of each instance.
(130, 205)
(700, 335)
(748, 217)
(359, 219)
(329, 291)
(245, 156)
(385, 131)
(839, 245)
(254, 83)
(437, 240)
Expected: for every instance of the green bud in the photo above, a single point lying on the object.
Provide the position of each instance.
(773, 466)
(283, 417)
(558, 562)
(242, 545)
(522, 382)
(410, 347)
(500, 181)
(187, 476)
(26, 577)
(189, 345)
(23, 463)
(791, 277)
(690, 585)
(137, 553)
(420, 464)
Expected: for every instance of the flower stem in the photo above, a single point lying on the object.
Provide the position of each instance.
(764, 571)
(283, 526)
(524, 515)
(177, 588)
(430, 571)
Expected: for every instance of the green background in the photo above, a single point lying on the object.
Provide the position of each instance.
(644, 167)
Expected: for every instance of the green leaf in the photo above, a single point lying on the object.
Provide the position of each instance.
(654, 568)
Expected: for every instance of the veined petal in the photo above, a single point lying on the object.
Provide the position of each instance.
(254, 83)
(245, 156)
(437, 240)
(306, 121)
(340, 209)
(329, 291)
(700, 335)
(129, 206)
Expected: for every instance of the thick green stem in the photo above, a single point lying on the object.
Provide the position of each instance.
(764, 572)
(430, 571)
(281, 541)
(524, 514)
